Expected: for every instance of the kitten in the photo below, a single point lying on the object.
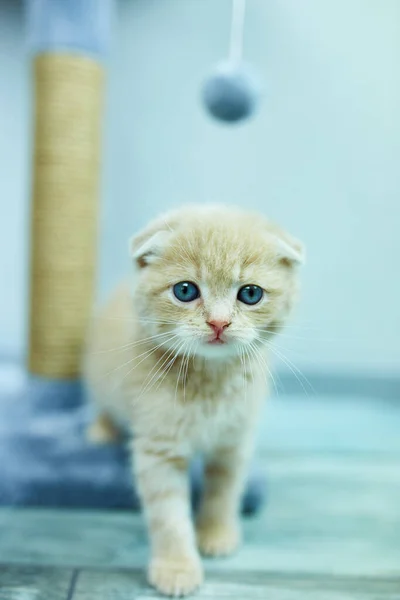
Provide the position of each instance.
(181, 354)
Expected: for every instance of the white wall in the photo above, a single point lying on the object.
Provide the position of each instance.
(14, 178)
(322, 157)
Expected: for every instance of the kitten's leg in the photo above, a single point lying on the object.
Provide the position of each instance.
(218, 522)
(175, 566)
(103, 430)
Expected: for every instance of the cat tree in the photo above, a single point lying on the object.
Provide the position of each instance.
(45, 457)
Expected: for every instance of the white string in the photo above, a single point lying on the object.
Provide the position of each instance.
(237, 29)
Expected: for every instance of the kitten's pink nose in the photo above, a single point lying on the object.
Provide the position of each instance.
(218, 326)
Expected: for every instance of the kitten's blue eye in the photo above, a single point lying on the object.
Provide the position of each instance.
(250, 294)
(186, 291)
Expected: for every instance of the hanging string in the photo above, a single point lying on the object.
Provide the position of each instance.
(237, 29)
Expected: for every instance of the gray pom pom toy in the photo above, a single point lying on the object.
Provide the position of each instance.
(232, 92)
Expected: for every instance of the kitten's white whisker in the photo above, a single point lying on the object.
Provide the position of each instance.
(282, 330)
(145, 356)
(168, 367)
(300, 325)
(128, 319)
(185, 356)
(145, 353)
(187, 367)
(244, 371)
(153, 378)
(279, 386)
(179, 374)
(132, 344)
(295, 370)
(264, 365)
(276, 380)
(142, 321)
(162, 321)
(281, 333)
(159, 322)
(133, 320)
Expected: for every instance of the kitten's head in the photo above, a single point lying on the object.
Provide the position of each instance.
(214, 280)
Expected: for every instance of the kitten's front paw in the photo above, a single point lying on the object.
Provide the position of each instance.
(176, 578)
(218, 539)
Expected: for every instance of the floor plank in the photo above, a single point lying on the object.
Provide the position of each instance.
(125, 585)
(34, 583)
(18, 583)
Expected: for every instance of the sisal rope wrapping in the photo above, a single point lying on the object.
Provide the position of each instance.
(68, 91)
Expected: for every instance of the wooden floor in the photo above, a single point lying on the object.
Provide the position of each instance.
(330, 530)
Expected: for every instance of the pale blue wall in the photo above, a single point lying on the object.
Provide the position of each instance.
(322, 157)
(14, 178)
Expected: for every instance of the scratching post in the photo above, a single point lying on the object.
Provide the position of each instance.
(67, 37)
(65, 209)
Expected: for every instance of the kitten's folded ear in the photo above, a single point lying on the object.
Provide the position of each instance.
(147, 246)
(291, 251)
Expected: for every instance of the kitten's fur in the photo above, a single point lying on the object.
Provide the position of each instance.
(149, 363)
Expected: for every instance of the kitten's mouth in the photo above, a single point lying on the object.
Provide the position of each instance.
(216, 341)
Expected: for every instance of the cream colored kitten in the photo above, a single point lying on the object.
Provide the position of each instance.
(181, 355)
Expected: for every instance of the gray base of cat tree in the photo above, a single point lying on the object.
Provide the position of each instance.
(46, 460)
